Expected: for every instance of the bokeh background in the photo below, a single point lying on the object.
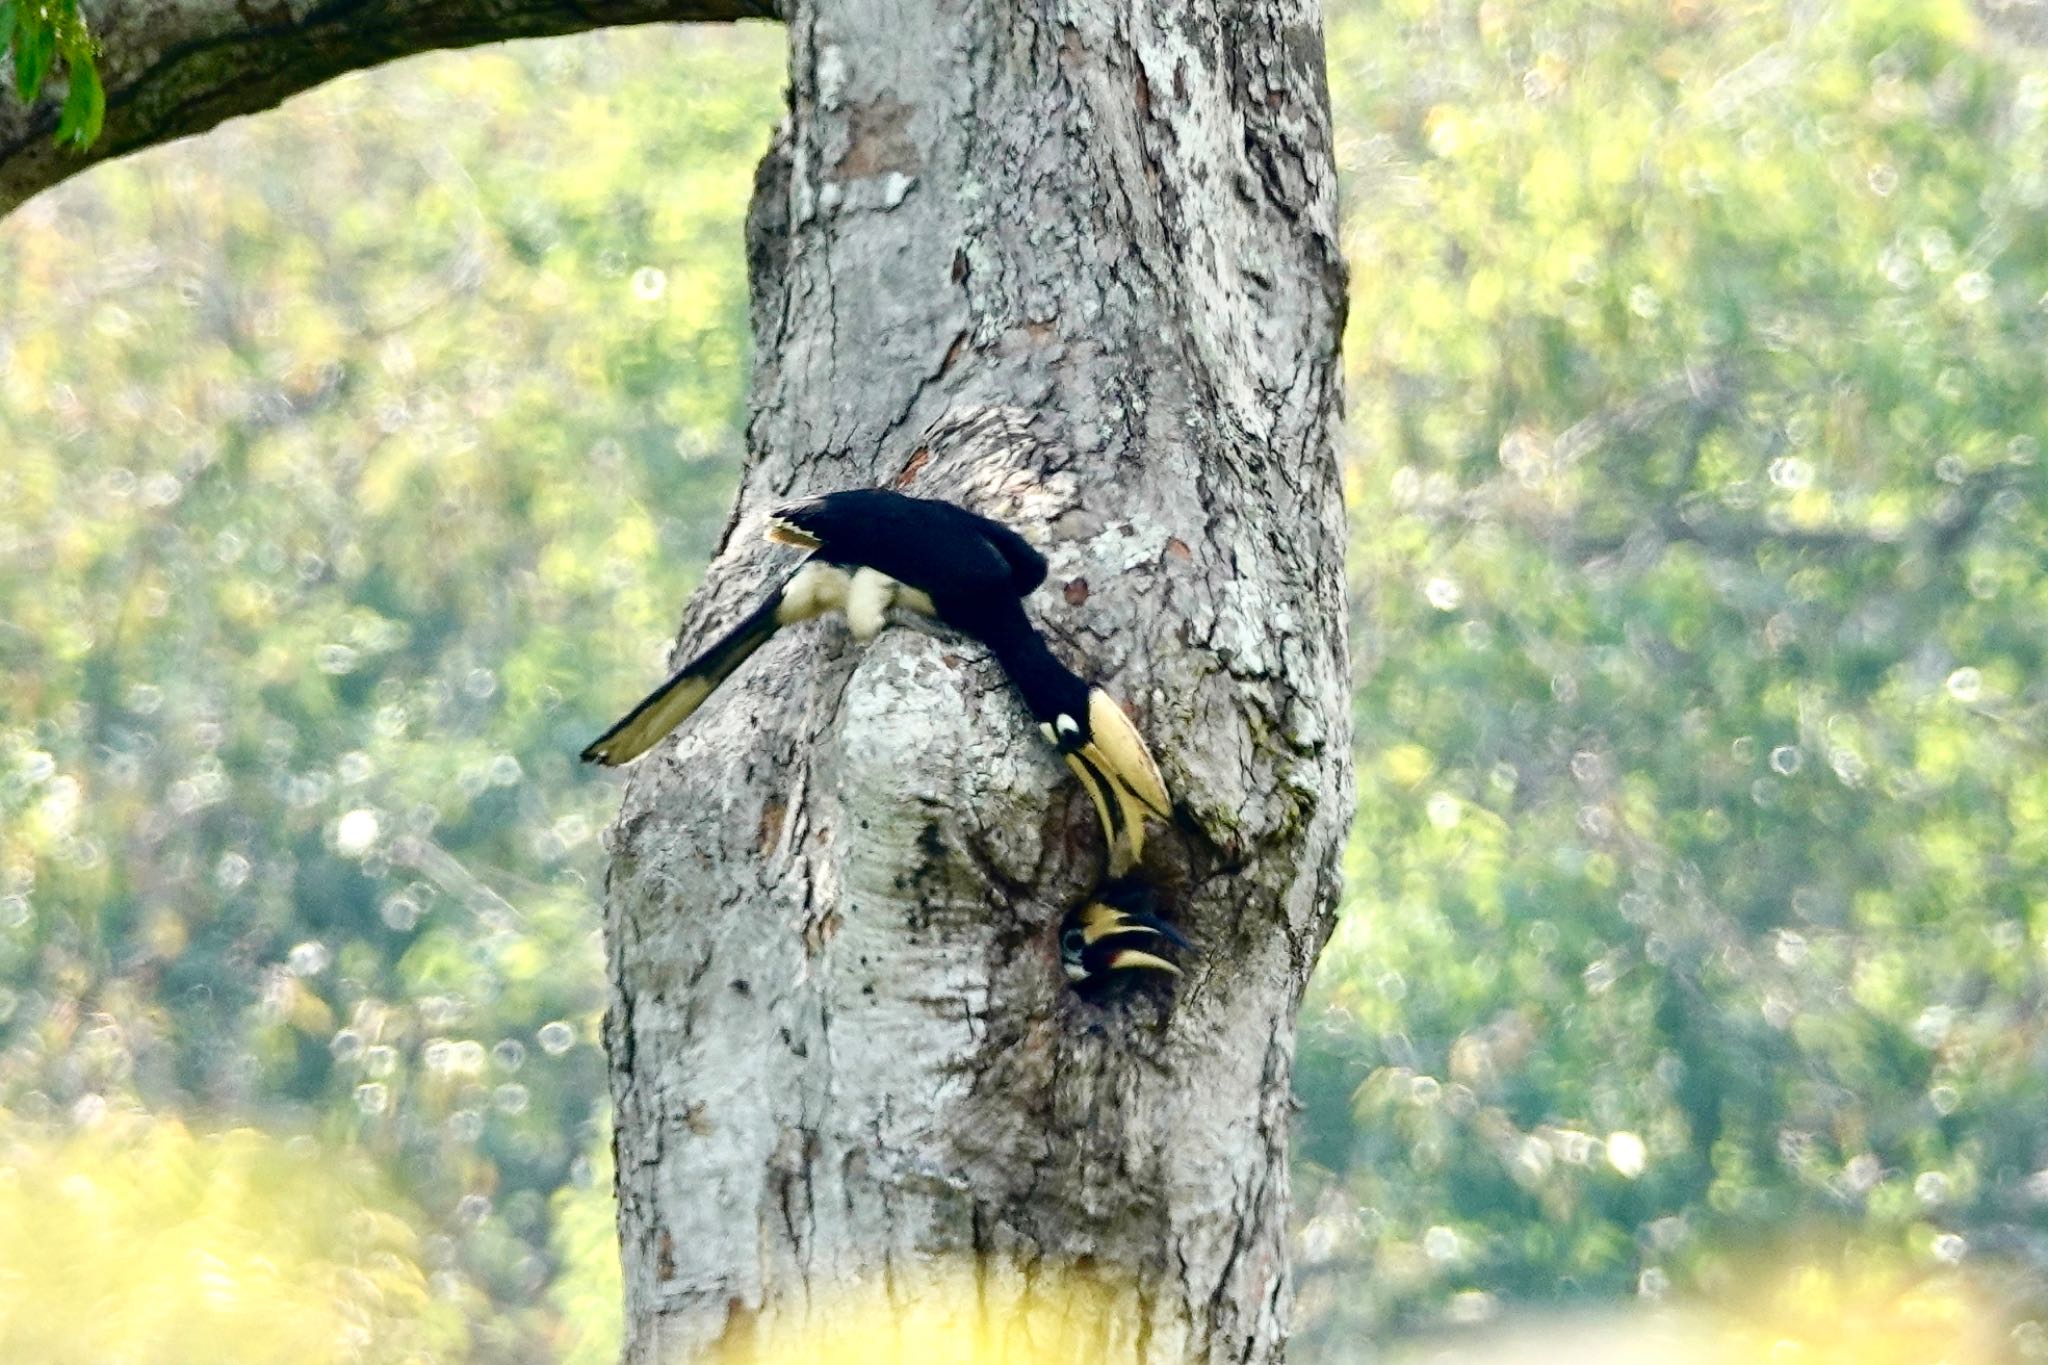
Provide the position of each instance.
(355, 462)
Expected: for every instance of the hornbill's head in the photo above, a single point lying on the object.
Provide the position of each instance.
(1116, 930)
(1109, 756)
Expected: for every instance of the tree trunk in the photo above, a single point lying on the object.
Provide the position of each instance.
(1072, 263)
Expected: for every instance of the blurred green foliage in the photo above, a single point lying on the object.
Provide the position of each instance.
(360, 456)
(42, 38)
(353, 475)
(152, 1245)
(1697, 405)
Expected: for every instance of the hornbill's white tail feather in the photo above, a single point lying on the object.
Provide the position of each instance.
(811, 591)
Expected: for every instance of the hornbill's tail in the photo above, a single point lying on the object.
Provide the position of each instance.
(815, 588)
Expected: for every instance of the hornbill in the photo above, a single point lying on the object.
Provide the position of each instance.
(872, 549)
(1117, 930)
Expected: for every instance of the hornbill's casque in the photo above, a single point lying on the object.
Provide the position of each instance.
(872, 549)
(1116, 930)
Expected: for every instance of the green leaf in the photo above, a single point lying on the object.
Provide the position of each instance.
(85, 107)
(33, 49)
(6, 25)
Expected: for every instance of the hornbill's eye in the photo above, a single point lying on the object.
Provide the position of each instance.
(1071, 943)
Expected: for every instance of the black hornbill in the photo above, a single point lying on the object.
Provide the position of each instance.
(872, 549)
(1116, 930)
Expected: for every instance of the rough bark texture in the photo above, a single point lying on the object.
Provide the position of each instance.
(1072, 262)
(176, 67)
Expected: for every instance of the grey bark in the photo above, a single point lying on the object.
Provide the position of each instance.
(176, 67)
(1072, 262)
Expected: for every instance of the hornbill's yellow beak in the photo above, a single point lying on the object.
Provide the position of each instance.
(1121, 778)
(1102, 937)
(1132, 957)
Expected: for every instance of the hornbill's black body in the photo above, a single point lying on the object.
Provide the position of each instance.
(871, 549)
(1117, 930)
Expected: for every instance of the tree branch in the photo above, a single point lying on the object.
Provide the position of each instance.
(177, 67)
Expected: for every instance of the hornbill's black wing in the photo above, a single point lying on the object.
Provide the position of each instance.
(1027, 566)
